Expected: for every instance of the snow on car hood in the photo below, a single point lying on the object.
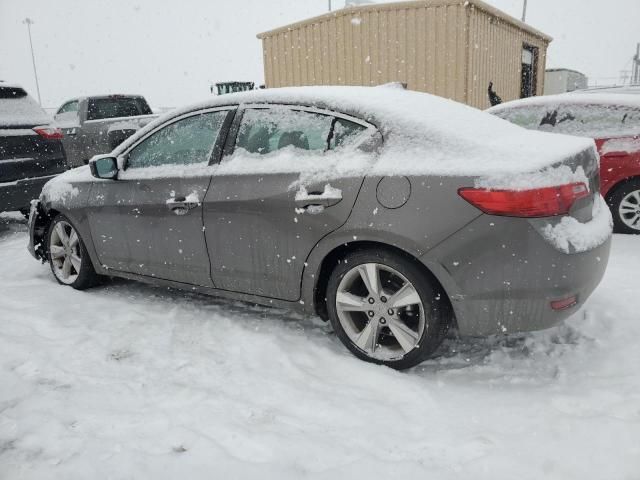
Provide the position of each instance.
(424, 134)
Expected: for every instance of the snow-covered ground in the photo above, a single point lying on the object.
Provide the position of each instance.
(128, 381)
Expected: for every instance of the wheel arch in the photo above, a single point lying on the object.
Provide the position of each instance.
(42, 222)
(618, 185)
(331, 259)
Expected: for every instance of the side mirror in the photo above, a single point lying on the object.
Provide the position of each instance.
(104, 167)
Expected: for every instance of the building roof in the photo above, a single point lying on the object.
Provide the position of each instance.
(478, 4)
(564, 70)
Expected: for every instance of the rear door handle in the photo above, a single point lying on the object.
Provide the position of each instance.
(327, 198)
(180, 205)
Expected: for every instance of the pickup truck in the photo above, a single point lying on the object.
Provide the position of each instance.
(95, 125)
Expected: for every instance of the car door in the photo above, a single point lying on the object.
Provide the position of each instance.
(149, 220)
(277, 192)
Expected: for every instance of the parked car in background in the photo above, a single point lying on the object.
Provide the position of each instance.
(31, 151)
(93, 125)
(357, 204)
(613, 121)
(620, 89)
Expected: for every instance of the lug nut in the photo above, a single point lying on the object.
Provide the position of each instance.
(371, 313)
(390, 311)
(383, 299)
(371, 300)
(383, 321)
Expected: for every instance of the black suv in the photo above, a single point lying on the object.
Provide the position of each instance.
(31, 149)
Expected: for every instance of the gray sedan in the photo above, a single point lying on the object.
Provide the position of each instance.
(320, 200)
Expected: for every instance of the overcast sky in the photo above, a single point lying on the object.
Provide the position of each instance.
(171, 50)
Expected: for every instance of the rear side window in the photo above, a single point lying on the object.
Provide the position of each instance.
(594, 121)
(12, 92)
(187, 141)
(263, 131)
(113, 107)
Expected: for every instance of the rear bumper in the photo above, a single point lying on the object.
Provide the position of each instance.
(18, 195)
(503, 276)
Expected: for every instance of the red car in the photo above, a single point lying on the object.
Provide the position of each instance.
(613, 121)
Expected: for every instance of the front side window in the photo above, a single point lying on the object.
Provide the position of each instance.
(187, 141)
(69, 107)
(263, 131)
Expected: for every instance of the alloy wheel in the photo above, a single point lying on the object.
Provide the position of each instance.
(629, 210)
(64, 250)
(380, 310)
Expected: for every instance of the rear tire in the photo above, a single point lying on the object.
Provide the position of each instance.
(68, 257)
(386, 309)
(624, 203)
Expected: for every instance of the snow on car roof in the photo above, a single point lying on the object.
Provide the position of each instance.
(574, 98)
(424, 134)
(21, 110)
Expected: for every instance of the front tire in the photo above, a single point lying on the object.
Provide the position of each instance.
(68, 256)
(624, 203)
(386, 309)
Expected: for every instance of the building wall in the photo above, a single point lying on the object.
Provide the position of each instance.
(561, 81)
(495, 54)
(555, 82)
(445, 47)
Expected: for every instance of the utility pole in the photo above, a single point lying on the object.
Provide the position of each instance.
(524, 11)
(329, 5)
(30, 22)
(635, 77)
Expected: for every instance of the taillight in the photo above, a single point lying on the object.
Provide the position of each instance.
(537, 202)
(50, 133)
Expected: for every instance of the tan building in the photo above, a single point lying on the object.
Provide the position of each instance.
(452, 48)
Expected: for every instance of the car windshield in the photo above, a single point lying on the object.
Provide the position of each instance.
(114, 107)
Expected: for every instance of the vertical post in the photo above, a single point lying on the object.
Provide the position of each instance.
(29, 22)
(329, 5)
(635, 78)
(524, 11)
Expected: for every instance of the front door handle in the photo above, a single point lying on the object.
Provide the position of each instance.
(181, 205)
